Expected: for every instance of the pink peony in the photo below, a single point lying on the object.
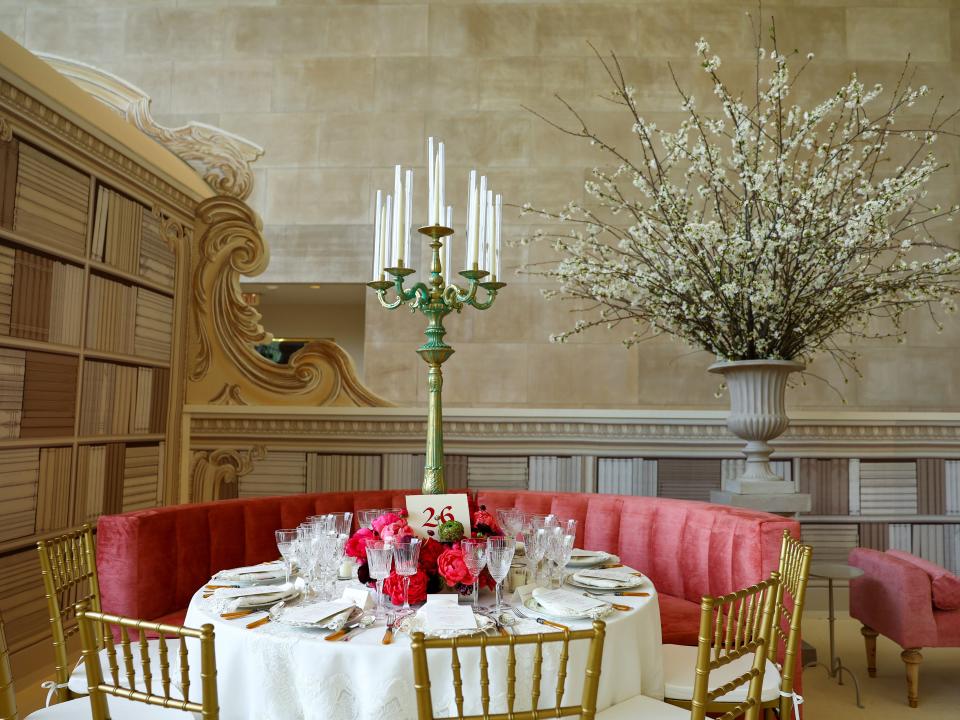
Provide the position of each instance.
(396, 532)
(357, 544)
(393, 586)
(451, 567)
(385, 519)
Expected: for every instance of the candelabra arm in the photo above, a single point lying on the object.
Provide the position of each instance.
(382, 297)
(491, 288)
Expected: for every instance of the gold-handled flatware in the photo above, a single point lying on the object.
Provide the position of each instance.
(557, 625)
(342, 632)
(615, 606)
(620, 593)
(236, 614)
(388, 633)
(257, 623)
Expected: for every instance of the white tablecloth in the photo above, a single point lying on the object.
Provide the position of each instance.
(276, 672)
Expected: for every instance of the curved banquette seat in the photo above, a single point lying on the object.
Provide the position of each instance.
(150, 562)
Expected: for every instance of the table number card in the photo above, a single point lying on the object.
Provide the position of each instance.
(426, 513)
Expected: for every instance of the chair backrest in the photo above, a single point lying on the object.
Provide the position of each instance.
(732, 626)
(794, 574)
(96, 632)
(586, 709)
(8, 698)
(69, 568)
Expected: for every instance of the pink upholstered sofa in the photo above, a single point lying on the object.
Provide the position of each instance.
(151, 562)
(909, 600)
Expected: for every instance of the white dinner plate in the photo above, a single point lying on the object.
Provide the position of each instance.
(587, 558)
(531, 604)
(626, 585)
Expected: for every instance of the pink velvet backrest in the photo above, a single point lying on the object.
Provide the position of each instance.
(152, 561)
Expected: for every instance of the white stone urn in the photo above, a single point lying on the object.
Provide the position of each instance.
(757, 415)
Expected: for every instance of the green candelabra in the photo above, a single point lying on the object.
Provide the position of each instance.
(435, 299)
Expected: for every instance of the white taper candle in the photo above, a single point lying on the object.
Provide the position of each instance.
(377, 267)
(408, 219)
(498, 219)
(397, 238)
(490, 250)
(471, 221)
(386, 235)
(481, 256)
(447, 250)
(431, 184)
(441, 183)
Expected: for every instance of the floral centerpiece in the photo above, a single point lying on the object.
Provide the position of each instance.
(441, 562)
(760, 229)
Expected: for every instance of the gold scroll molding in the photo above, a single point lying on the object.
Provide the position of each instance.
(215, 474)
(224, 366)
(221, 158)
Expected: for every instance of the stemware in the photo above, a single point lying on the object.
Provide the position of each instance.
(286, 540)
(366, 517)
(342, 522)
(379, 560)
(500, 552)
(559, 548)
(406, 556)
(535, 547)
(511, 521)
(474, 557)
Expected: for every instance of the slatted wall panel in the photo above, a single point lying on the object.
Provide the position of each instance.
(12, 363)
(951, 542)
(22, 600)
(327, 473)
(497, 472)
(888, 488)
(831, 543)
(875, 536)
(19, 475)
(827, 482)
(141, 481)
(557, 474)
(931, 487)
(404, 471)
(281, 472)
(91, 470)
(688, 478)
(900, 537)
(53, 494)
(456, 469)
(951, 480)
(731, 469)
(627, 476)
(927, 542)
(7, 262)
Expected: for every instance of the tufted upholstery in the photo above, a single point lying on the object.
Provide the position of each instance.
(151, 562)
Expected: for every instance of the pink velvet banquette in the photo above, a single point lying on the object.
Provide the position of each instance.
(151, 562)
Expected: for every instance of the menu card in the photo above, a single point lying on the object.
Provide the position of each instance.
(442, 616)
(317, 613)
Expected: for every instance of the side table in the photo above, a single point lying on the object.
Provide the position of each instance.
(830, 572)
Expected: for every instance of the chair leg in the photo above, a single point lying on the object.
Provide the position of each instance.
(911, 659)
(870, 640)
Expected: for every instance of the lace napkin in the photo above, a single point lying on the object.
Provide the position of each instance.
(230, 599)
(563, 603)
(251, 573)
(609, 578)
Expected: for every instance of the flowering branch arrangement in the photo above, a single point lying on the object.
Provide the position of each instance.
(765, 230)
(440, 562)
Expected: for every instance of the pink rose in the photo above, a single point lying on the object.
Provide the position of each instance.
(393, 586)
(385, 519)
(451, 567)
(356, 546)
(396, 532)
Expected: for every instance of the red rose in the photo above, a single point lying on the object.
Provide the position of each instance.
(393, 586)
(356, 546)
(485, 523)
(430, 552)
(451, 567)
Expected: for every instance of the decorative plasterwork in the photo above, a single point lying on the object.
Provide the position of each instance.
(211, 470)
(17, 103)
(617, 435)
(223, 159)
(225, 329)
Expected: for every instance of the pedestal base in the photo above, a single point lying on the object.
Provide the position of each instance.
(780, 503)
(742, 486)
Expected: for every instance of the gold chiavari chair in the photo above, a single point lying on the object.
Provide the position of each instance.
(69, 568)
(71, 710)
(794, 571)
(586, 709)
(141, 695)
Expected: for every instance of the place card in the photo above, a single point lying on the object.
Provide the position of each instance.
(246, 591)
(317, 613)
(441, 617)
(426, 513)
(358, 596)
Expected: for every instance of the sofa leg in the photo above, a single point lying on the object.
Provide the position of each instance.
(870, 641)
(911, 659)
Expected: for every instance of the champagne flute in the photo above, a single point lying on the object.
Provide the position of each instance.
(286, 542)
(500, 552)
(405, 557)
(474, 557)
(379, 560)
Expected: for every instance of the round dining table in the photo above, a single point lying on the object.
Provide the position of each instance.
(279, 672)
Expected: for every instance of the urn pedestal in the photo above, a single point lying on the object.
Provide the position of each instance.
(758, 415)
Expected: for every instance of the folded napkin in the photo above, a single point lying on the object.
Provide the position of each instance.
(332, 614)
(443, 617)
(230, 599)
(563, 603)
(252, 573)
(611, 578)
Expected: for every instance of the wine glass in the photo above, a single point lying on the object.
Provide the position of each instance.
(535, 546)
(474, 557)
(342, 522)
(405, 557)
(559, 549)
(499, 556)
(379, 560)
(366, 517)
(511, 521)
(286, 539)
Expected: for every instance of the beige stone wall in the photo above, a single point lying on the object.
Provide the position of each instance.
(339, 92)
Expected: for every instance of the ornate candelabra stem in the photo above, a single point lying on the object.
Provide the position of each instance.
(435, 300)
